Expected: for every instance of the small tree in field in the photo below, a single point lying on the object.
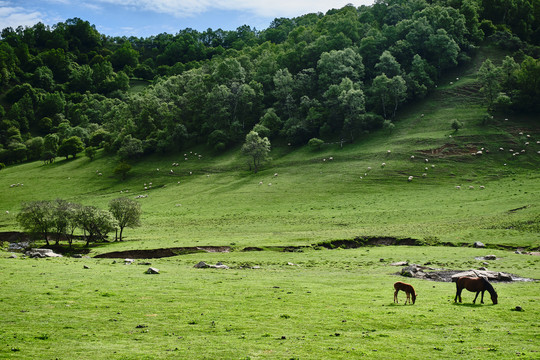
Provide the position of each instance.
(90, 152)
(37, 217)
(122, 169)
(315, 144)
(127, 213)
(456, 125)
(257, 149)
(96, 223)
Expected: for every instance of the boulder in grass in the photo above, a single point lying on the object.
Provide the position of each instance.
(201, 265)
(479, 244)
(152, 270)
(41, 253)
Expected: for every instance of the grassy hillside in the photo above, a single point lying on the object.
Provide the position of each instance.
(313, 303)
(215, 200)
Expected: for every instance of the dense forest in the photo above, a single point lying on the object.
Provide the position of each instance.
(339, 75)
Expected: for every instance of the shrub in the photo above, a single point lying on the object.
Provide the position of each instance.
(315, 144)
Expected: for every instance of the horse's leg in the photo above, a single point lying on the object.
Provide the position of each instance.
(458, 293)
(408, 298)
(478, 292)
(395, 297)
(482, 299)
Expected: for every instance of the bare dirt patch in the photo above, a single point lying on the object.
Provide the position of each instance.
(163, 252)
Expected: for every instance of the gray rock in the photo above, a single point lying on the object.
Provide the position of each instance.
(490, 257)
(400, 263)
(410, 271)
(128, 261)
(152, 270)
(86, 267)
(479, 244)
(12, 256)
(504, 277)
(41, 253)
(201, 265)
(18, 246)
(489, 275)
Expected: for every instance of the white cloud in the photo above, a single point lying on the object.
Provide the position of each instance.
(13, 16)
(263, 8)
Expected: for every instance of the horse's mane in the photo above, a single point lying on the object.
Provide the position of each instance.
(488, 286)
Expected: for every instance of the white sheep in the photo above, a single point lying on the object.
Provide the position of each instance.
(275, 174)
(501, 149)
(458, 187)
(100, 174)
(412, 157)
(432, 166)
(388, 152)
(7, 212)
(269, 184)
(323, 160)
(410, 178)
(369, 168)
(482, 187)
(427, 160)
(383, 164)
(331, 158)
(191, 172)
(424, 174)
(471, 187)
(260, 182)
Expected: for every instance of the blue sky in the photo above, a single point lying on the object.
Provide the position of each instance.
(143, 18)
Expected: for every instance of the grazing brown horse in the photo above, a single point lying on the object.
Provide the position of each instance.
(408, 289)
(477, 284)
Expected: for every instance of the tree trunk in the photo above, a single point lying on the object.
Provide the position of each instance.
(121, 230)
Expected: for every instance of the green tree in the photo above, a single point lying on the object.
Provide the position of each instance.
(34, 147)
(131, 148)
(127, 213)
(390, 92)
(456, 125)
(50, 148)
(90, 152)
(489, 76)
(71, 146)
(388, 65)
(125, 56)
(95, 223)
(36, 217)
(315, 143)
(122, 169)
(257, 149)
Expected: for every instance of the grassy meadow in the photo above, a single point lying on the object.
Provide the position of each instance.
(309, 304)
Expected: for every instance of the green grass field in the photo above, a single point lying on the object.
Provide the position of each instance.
(325, 304)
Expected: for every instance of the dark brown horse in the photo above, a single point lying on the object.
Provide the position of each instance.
(408, 289)
(478, 284)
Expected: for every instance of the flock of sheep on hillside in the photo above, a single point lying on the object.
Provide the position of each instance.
(483, 151)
